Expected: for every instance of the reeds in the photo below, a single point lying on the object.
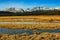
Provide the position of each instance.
(31, 26)
(30, 18)
(24, 36)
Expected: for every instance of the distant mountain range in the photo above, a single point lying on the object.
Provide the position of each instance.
(33, 11)
(30, 10)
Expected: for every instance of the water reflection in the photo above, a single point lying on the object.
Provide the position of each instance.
(20, 31)
(11, 31)
(29, 22)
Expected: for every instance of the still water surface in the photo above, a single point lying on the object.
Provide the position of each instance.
(20, 31)
(29, 22)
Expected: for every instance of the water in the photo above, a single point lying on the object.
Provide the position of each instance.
(55, 31)
(29, 22)
(20, 31)
(11, 31)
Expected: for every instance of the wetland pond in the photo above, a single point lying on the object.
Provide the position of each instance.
(20, 31)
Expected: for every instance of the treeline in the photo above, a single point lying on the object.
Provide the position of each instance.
(42, 12)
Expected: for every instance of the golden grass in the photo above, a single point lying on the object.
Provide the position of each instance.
(35, 36)
(25, 36)
(54, 18)
(31, 26)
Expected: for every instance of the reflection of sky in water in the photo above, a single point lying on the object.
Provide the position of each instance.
(10, 31)
(20, 31)
(29, 22)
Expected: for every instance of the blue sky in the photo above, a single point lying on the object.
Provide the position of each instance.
(28, 3)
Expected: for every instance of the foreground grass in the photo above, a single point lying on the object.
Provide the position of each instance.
(35, 36)
(31, 26)
(54, 18)
(41, 18)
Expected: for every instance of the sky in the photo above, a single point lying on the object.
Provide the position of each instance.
(28, 3)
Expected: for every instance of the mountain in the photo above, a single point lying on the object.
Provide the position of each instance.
(41, 9)
(14, 10)
(28, 11)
